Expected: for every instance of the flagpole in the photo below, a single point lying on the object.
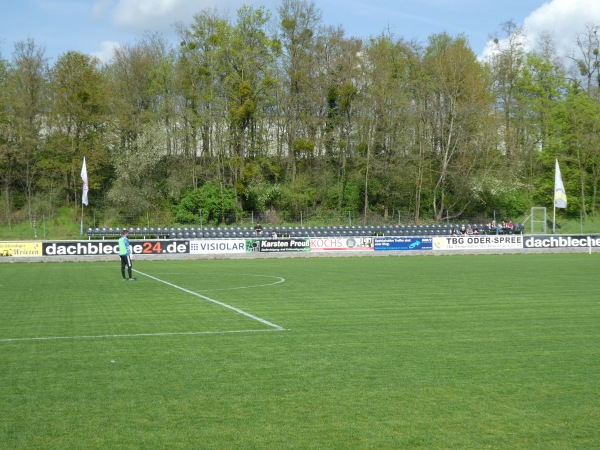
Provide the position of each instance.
(81, 226)
(554, 201)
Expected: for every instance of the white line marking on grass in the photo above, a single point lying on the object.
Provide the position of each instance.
(216, 302)
(104, 336)
(250, 286)
(279, 280)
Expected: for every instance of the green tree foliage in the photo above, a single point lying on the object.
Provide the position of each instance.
(7, 149)
(299, 21)
(575, 142)
(456, 100)
(208, 203)
(79, 113)
(202, 105)
(28, 100)
(283, 114)
(250, 79)
(384, 155)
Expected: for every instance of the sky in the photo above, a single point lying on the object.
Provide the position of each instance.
(95, 27)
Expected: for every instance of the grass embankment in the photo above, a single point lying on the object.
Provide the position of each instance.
(66, 225)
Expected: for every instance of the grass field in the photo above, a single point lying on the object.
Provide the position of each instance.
(494, 351)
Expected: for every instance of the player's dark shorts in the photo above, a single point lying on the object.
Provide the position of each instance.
(125, 260)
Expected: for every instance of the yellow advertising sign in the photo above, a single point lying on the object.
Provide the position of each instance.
(21, 249)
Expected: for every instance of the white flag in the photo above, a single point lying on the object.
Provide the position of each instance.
(560, 196)
(84, 194)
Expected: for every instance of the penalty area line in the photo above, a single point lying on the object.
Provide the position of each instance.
(216, 302)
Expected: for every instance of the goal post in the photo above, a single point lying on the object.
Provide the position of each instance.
(538, 220)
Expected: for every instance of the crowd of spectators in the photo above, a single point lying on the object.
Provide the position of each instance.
(466, 229)
(502, 227)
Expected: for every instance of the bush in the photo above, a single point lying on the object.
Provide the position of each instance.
(215, 204)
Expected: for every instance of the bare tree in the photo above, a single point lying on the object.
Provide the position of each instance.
(587, 59)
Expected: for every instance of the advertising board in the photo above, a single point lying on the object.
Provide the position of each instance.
(563, 241)
(138, 247)
(341, 244)
(20, 249)
(478, 242)
(278, 245)
(218, 246)
(402, 243)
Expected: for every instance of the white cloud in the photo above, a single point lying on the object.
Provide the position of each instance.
(147, 14)
(107, 50)
(101, 8)
(562, 19)
(159, 15)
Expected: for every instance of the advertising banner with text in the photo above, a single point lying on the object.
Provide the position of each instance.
(401, 243)
(561, 241)
(278, 245)
(20, 249)
(325, 244)
(218, 246)
(94, 248)
(478, 242)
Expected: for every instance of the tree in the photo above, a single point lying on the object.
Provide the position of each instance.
(199, 74)
(78, 121)
(587, 60)
(458, 100)
(538, 89)
(213, 204)
(505, 68)
(27, 90)
(7, 148)
(138, 171)
(141, 109)
(249, 79)
(386, 124)
(574, 141)
(299, 21)
(339, 68)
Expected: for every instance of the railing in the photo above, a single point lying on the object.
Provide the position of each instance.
(295, 231)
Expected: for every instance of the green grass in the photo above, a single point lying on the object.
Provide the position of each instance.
(495, 351)
(65, 224)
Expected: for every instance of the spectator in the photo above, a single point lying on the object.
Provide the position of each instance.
(475, 230)
(274, 234)
(493, 226)
(257, 229)
(469, 229)
(463, 230)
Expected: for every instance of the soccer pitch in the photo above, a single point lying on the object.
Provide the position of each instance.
(485, 351)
